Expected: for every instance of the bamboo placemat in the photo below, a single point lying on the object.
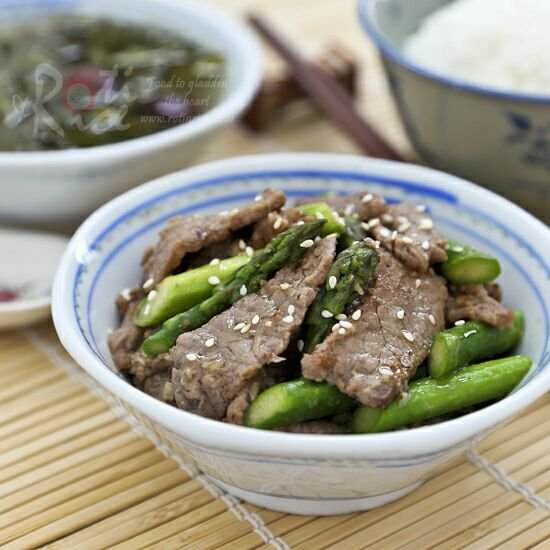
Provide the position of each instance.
(75, 475)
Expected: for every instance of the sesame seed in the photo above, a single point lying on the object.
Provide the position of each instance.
(332, 281)
(373, 223)
(284, 286)
(470, 333)
(215, 261)
(278, 360)
(148, 284)
(278, 222)
(408, 335)
(291, 309)
(345, 324)
(288, 319)
(268, 323)
(342, 331)
(402, 219)
(385, 371)
(258, 198)
(349, 209)
(317, 239)
(300, 345)
(255, 319)
(224, 213)
(152, 295)
(326, 314)
(385, 232)
(456, 248)
(191, 356)
(243, 291)
(249, 251)
(210, 342)
(387, 218)
(245, 329)
(126, 294)
(242, 244)
(417, 283)
(301, 222)
(213, 280)
(238, 326)
(460, 322)
(356, 315)
(407, 240)
(426, 224)
(393, 236)
(432, 320)
(367, 198)
(308, 243)
(234, 211)
(404, 226)
(426, 245)
(400, 313)
(341, 317)
(421, 208)
(335, 327)
(319, 216)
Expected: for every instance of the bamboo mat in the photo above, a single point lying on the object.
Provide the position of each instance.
(74, 474)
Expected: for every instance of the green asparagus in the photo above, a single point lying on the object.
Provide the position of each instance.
(178, 293)
(429, 398)
(296, 401)
(353, 231)
(322, 211)
(473, 341)
(466, 265)
(353, 269)
(283, 250)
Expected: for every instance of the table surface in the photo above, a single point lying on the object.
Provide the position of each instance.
(74, 474)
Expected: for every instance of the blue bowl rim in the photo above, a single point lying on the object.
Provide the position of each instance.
(366, 11)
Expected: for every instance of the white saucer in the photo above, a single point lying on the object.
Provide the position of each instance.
(28, 262)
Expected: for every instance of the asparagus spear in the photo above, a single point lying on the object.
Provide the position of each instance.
(473, 341)
(353, 268)
(322, 211)
(284, 249)
(353, 231)
(429, 398)
(178, 293)
(296, 401)
(466, 265)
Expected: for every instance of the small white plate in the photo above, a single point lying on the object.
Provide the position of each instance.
(28, 262)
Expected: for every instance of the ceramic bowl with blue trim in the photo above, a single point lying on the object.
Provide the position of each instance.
(496, 138)
(310, 474)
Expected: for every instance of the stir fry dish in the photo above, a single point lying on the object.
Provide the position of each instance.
(72, 81)
(341, 314)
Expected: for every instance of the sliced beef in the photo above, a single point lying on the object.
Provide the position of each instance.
(216, 363)
(315, 427)
(186, 234)
(365, 205)
(225, 249)
(142, 367)
(495, 291)
(475, 302)
(374, 359)
(159, 386)
(273, 224)
(410, 234)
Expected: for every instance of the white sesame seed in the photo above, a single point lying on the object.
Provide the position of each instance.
(385, 232)
(243, 291)
(268, 323)
(387, 218)
(308, 243)
(470, 333)
(385, 371)
(191, 356)
(432, 320)
(245, 329)
(426, 245)
(335, 327)
(300, 345)
(402, 219)
(341, 317)
(407, 240)
(288, 319)
(332, 281)
(317, 239)
(342, 331)
(367, 198)
(408, 335)
(152, 295)
(365, 226)
(319, 216)
(373, 223)
(249, 251)
(400, 313)
(393, 235)
(213, 280)
(345, 324)
(258, 198)
(215, 261)
(242, 244)
(349, 209)
(234, 211)
(301, 222)
(456, 248)
(148, 284)
(404, 226)
(224, 213)
(238, 326)
(278, 360)
(255, 319)
(426, 224)
(210, 342)
(421, 208)
(291, 309)
(126, 294)
(460, 322)
(284, 286)
(326, 314)
(356, 315)
(417, 283)
(278, 222)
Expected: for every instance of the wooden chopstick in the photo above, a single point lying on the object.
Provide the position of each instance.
(328, 94)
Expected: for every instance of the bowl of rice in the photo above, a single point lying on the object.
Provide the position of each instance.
(472, 84)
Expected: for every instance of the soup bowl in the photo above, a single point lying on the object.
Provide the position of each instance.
(310, 474)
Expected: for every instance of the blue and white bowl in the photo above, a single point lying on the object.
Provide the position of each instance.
(312, 474)
(494, 137)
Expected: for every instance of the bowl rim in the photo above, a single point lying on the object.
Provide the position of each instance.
(226, 438)
(244, 48)
(368, 22)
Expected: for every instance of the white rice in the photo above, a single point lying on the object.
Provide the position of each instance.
(503, 44)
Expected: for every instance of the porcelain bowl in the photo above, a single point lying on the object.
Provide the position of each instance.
(495, 138)
(310, 474)
(65, 186)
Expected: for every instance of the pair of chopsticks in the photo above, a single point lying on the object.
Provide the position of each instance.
(328, 95)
